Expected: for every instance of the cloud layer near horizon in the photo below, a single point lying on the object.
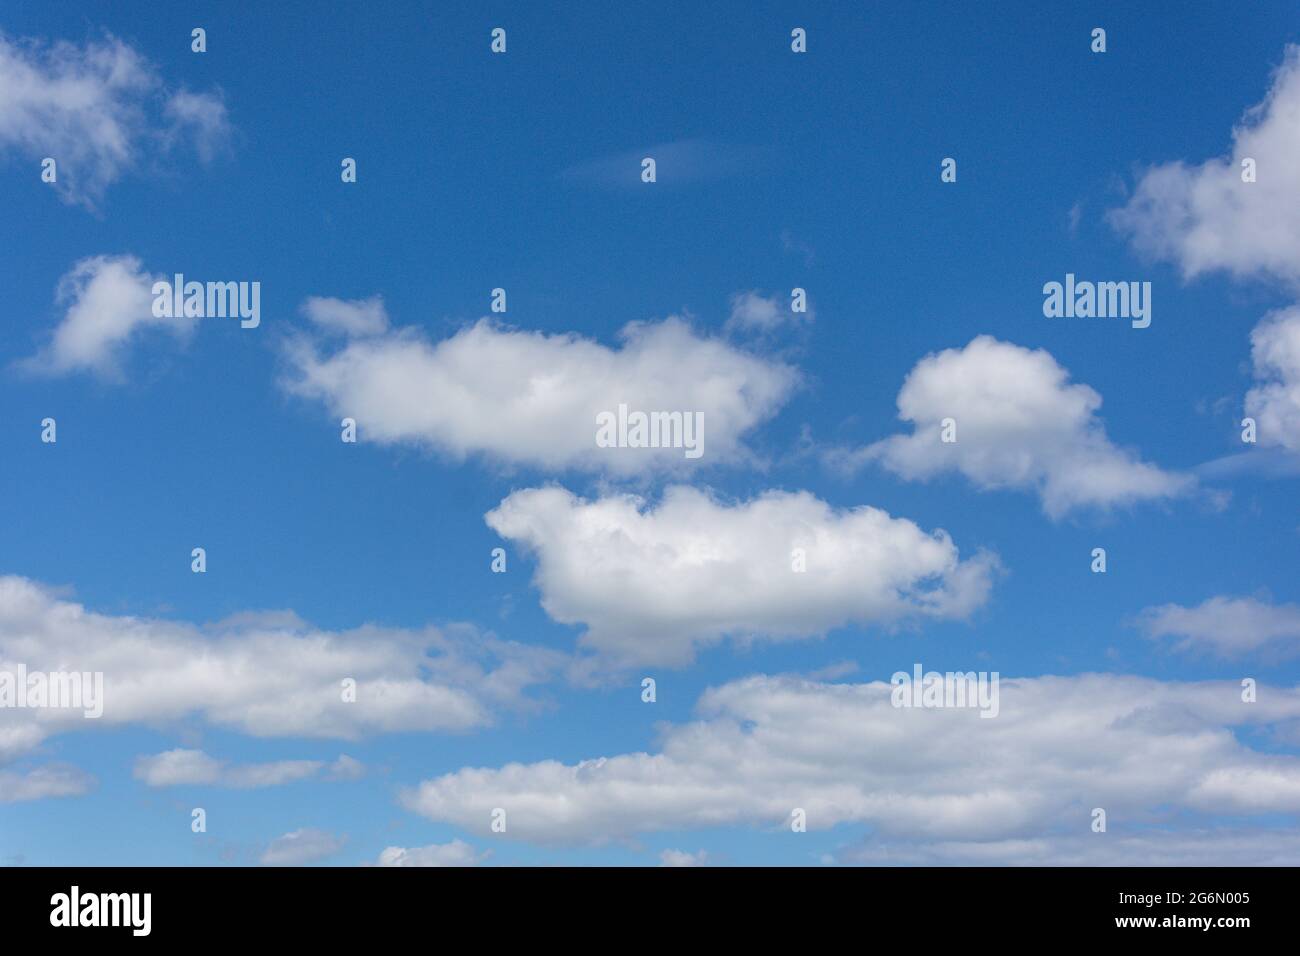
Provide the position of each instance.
(763, 746)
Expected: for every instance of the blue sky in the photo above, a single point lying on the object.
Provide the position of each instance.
(776, 170)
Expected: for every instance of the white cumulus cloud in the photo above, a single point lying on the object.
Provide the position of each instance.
(1203, 217)
(1019, 423)
(531, 398)
(1227, 626)
(764, 746)
(653, 583)
(266, 675)
(1274, 401)
(108, 303)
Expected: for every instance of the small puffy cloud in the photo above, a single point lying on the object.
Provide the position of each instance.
(202, 118)
(302, 847)
(1202, 217)
(190, 767)
(99, 110)
(754, 312)
(529, 398)
(108, 302)
(40, 783)
(763, 746)
(177, 767)
(455, 853)
(1227, 626)
(1019, 423)
(652, 584)
(1274, 402)
(351, 317)
(675, 858)
(262, 675)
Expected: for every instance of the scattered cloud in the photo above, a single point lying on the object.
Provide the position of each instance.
(754, 312)
(1019, 423)
(302, 847)
(681, 163)
(345, 768)
(1227, 626)
(1267, 463)
(108, 303)
(194, 767)
(455, 853)
(40, 783)
(1274, 402)
(354, 318)
(1204, 217)
(677, 858)
(99, 110)
(200, 118)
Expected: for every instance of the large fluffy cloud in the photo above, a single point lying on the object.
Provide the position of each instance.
(98, 110)
(1060, 746)
(108, 302)
(1228, 627)
(264, 675)
(1019, 423)
(1274, 402)
(1203, 217)
(652, 584)
(531, 398)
